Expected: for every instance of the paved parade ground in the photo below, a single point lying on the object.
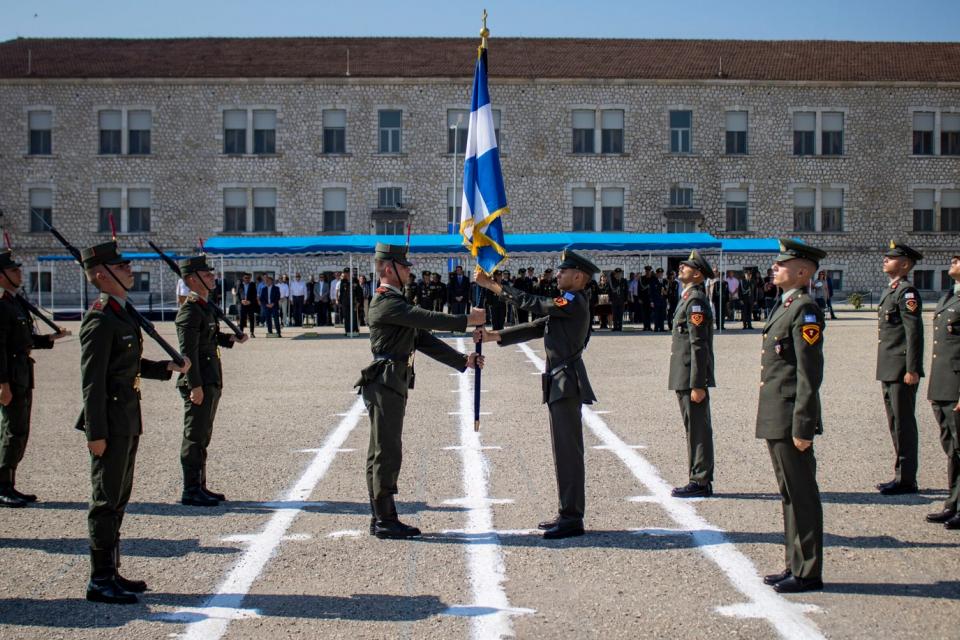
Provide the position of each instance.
(289, 555)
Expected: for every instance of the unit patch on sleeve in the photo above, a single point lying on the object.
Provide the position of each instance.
(811, 333)
(560, 302)
(912, 306)
(696, 319)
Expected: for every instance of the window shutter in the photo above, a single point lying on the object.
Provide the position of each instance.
(832, 121)
(110, 120)
(264, 197)
(950, 122)
(139, 120)
(611, 198)
(335, 199)
(583, 198)
(804, 198)
(335, 118)
(138, 198)
(41, 198)
(832, 198)
(612, 119)
(736, 120)
(923, 199)
(950, 199)
(234, 198)
(235, 119)
(736, 195)
(264, 119)
(110, 198)
(804, 121)
(583, 119)
(923, 121)
(41, 120)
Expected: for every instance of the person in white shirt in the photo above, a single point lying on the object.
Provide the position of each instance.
(335, 297)
(284, 285)
(182, 292)
(298, 294)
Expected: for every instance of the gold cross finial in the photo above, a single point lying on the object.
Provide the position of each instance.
(484, 32)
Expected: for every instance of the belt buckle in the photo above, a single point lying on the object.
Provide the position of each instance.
(410, 359)
(136, 383)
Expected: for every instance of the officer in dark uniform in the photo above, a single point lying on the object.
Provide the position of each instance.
(17, 338)
(565, 329)
(496, 305)
(658, 300)
(900, 363)
(525, 284)
(111, 366)
(944, 391)
(618, 298)
(438, 293)
(397, 330)
(691, 374)
(423, 294)
(788, 413)
(198, 330)
(411, 292)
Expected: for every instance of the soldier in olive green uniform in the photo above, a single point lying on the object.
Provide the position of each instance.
(397, 330)
(691, 374)
(900, 363)
(564, 326)
(944, 391)
(111, 366)
(788, 413)
(200, 340)
(17, 338)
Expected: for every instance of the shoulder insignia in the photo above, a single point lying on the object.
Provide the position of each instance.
(560, 301)
(788, 302)
(811, 333)
(382, 289)
(909, 294)
(114, 305)
(569, 296)
(696, 319)
(912, 306)
(809, 317)
(696, 307)
(97, 306)
(686, 295)
(895, 285)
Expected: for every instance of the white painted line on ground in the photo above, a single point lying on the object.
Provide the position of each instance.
(491, 535)
(783, 615)
(213, 616)
(490, 611)
(603, 447)
(477, 503)
(247, 538)
(459, 448)
(656, 500)
(316, 450)
(457, 413)
(346, 533)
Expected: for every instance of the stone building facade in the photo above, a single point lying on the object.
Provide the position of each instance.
(843, 159)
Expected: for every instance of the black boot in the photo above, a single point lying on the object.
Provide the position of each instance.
(103, 586)
(26, 497)
(10, 499)
(133, 586)
(203, 486)
(388, 525)
(373, 517)
(193, 494)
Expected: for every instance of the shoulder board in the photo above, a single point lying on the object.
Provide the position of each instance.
(114, 305)
(895, 285)
(96, 306)
(382, 290)
(569, 296)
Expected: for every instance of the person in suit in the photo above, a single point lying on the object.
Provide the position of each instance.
(658, 300)
(691, 374)
(748, 296)
(249, 298)
(565, 329)
(495, 305)
(900, 364)
(618, 298)
(943, 391)
(270, 303)
(458, 292)
(788, 413)
(321, 293)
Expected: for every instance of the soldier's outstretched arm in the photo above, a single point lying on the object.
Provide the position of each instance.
(226, 340)
(440, 351)
(522, 332)
(95, 341)
(807, 335)
(559, 306)
(400, 312)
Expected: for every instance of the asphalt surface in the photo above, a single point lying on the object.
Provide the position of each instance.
(289, 555)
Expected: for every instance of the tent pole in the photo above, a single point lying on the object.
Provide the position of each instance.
(223, 290)
(83, 294)
(39, 286)
(53, 313)
(162, 316)
(351, 318)
(720, 284)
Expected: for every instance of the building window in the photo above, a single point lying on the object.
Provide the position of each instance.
(681, 126)
(583, 210)
(264, 210)
(390, 123)
(390, 227)
(264, 131)
(584, 122)
(138, 132)
(923, 210)
(681, 197)
(111, 132)
(234, 210)
(458, 124)
(831, 210)
(109, 206)
(804, 133)
(234, 132)
(836, 279)
(923, 133)
(41, 128)
(390, 197)
(950, 211)
(681, 226)
(736, 132)
(138, 211)
(923, 279)
(454, 207)
(141, 282)
(334, 210)
(40, 282)
(946, 282)
(611, 210)
(41, 209)
(804, 210)
(736, 206)
(950, 134)
(611, 131)
(831, 134)
(334, 131)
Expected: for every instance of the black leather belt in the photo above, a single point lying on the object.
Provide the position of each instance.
(390, 356)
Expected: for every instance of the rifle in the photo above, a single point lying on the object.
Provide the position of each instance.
(145, 324)
(217, 311)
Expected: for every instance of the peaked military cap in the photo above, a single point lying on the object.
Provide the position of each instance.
(572, 260)
(899, 250)
(105, 253)
(193, 264)
(699, 263)
(790, 249)
(396, 253)
(7, 261)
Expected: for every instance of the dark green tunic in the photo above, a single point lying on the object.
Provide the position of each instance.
(791, 370)
(899, 351)
(944, 389)
(691, 367)
(565, 329)
(397, 330)
(111, 365)
(200, 338)
(16, 369)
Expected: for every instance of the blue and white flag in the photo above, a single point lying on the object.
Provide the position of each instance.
(484, 200)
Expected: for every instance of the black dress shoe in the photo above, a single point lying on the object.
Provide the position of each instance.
(952, 523)
(373, 526)
(107, 590)
(885, 485)
(899, 489)
(133, 586)
(548, 524)
(394, 529)
(793, 584)
(941, 517)
(564, 529)
(693, 490)
(26, 497)
(9, 499)
(219, 497)
(197, 498)
(774, 578)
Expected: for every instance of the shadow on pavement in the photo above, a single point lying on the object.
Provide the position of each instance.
(949, 590)
(142, 547)
(926, 496)
(255, 508)
(78, 613)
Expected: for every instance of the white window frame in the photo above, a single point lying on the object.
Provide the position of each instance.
(125, 128)
(376, 128)
(53, 120)
(123, 226)
(736, 186)
(248, 140)
(36, 186)
(937, 128)
(680, 107)
(248, 188)
(323, 208)
(598, 111)
(818, 129)
(818, 190)
(346, 127)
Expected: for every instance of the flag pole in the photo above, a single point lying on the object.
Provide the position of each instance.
(478, 349)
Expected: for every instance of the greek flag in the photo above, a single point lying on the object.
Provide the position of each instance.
(484, 200)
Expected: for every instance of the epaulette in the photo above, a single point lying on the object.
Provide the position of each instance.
(115, 305)
(382, 289)
(97, 306)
